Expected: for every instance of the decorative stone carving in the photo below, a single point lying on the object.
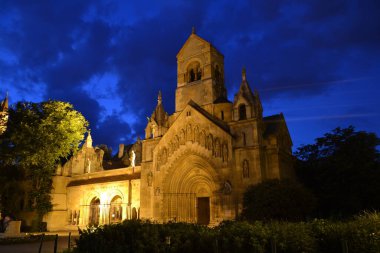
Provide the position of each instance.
(225, 152)
(189, 133)
(245, 169)
(196, 134)
(176, 141)
(182, 138)
(202, 139)
(150, 178)
(164, 156)
(217, 149)
(209, 142)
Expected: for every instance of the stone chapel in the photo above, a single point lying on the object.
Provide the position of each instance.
(193, 165)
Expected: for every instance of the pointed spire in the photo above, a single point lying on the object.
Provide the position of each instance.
(193, 30)
(159, 99)
(244, 74)
(88, 143)
(4, 103)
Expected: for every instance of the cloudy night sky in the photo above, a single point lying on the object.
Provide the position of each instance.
(316, 61)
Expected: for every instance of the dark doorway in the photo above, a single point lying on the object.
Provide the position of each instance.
(203, 210)
(242, 112)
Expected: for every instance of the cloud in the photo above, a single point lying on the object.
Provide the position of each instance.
(66, 50)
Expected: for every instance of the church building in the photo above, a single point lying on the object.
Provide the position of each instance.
(193, 165)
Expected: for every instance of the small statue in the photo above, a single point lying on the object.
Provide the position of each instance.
(227, 188)
(88, 165)
(133, 158)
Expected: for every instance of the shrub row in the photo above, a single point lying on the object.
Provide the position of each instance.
(359, 235)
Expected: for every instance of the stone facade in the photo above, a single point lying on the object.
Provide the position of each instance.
(192, 166)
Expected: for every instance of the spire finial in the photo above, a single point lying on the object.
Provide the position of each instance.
(193, 30)
(159, 99)
(244, 74)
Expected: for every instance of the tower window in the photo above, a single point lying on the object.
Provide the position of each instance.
(194, 72)
(192, 75)
(222, 115)
(242, 112)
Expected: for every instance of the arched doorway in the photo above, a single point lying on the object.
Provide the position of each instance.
(116, 210)
(94, 212)
(189, 191)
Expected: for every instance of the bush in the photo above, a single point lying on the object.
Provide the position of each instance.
(243, 237)
(292, 237)
(361, 234)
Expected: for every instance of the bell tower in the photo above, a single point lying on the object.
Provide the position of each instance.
(200, 73)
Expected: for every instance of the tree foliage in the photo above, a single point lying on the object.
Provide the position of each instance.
(277, 200)
(38, 137)
(342, 170)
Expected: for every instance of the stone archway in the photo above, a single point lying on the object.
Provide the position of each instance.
(94, 212)
(190, 191)
(116, 210)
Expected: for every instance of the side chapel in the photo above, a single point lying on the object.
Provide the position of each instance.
(193, 165)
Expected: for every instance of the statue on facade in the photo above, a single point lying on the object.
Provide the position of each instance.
(133, 158)
(227, 187)
(88, 165)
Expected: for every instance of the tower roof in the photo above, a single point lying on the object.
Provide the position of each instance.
(194, 36)
(244, 89)
(159, 114)
(4, 104)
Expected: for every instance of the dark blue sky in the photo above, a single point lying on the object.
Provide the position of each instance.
(316, 61)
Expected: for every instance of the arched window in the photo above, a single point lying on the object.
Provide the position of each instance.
(116, 210)
(94, 212)
(194, 72)
(242, 112)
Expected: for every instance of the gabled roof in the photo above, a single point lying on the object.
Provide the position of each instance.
(223, 125)
(244, 90)
(195, 36)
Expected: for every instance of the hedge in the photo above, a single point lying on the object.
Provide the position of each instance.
(360, 235)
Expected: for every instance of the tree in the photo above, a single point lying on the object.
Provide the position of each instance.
(277, 200)
(342, 170)
(38, 137)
